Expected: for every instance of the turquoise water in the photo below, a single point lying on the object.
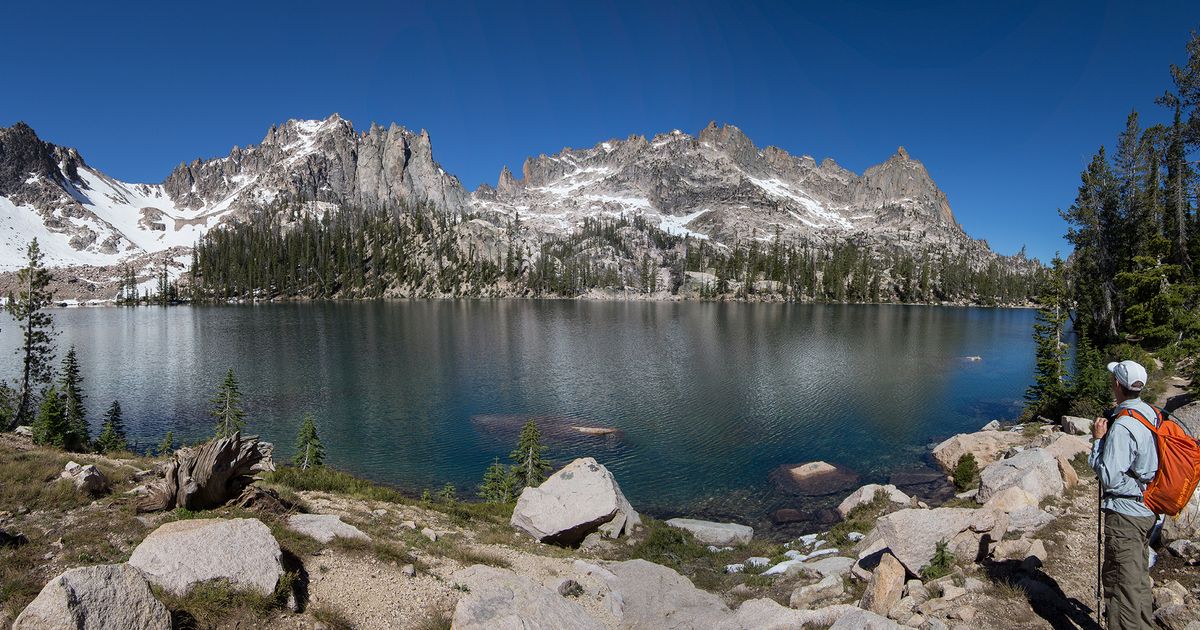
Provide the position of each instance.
(708, 398)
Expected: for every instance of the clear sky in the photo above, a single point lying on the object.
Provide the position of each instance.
(1004, 102)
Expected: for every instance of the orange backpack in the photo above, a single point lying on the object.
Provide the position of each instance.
(1178, 464)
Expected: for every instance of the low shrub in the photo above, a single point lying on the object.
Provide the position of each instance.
(966, 473)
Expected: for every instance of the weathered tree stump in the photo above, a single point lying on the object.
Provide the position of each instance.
(208, 476)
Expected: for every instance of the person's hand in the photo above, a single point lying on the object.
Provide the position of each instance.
(1099, 428)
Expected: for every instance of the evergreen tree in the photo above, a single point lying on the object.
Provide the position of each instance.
(50, 428)
(310, 453)
(530, 466)
(71, 385)
(168, 443)
(8, 405)
(28, 308)
(112, 432)
(227, 407)
(498, 484)
(1090, 389)
(1048, 391)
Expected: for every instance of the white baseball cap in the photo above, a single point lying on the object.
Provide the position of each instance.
(1130, 374)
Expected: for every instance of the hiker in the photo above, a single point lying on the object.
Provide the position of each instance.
(1125, 460)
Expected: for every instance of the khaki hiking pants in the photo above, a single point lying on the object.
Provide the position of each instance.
(1128, 602)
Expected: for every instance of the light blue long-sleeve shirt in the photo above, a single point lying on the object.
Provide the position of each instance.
(1126, 461)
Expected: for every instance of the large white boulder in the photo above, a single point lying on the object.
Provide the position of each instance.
(866, 494)
(1068, 446)
(986, 446)
(912, 534)
(710, 533)
(181, 554)
(95, 598)
(325, 527)
(498, 599)
(1075, 425)
(1034, 470)
(581, 498)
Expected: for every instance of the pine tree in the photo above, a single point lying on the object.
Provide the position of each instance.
(28, 307)
(71, 385)
(1048, 391)
(227, 407)
(498, 482)
(310, 453)
(1090, 383)
(530, 466)
(168, 443)
(50, 428)
(112, 432)
(8, 404)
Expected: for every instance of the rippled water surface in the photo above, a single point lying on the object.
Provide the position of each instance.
(707, 399)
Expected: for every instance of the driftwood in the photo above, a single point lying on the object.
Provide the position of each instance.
(208, 476)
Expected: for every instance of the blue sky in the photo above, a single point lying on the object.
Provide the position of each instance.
(1004, 102)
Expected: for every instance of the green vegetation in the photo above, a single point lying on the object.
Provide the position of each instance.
(966, 472)
(325, 479)
(310, 452)
(227, 407)
(1048, 392)
(167, 446)
(112, 432)
(861, 519)
(498, 484)
(28, 307)
(1133, 281)
(530, 466)
(422, 252)
(74, 411)
(941, 564)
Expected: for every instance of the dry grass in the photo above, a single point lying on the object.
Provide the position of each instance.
(333, 618)
(217, 604)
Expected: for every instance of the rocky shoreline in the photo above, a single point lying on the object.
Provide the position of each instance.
(1016, 550)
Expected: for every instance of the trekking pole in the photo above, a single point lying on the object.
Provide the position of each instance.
(1099, 552)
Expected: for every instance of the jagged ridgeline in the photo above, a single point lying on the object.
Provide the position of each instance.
(296, 250)
(318, 209)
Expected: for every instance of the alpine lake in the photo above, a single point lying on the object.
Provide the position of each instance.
(696, 407)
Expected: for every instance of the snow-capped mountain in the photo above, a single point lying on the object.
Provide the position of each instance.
(720, 186)
(716, 186)
(83, 217)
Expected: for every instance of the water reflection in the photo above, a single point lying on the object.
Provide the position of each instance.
(708, 397)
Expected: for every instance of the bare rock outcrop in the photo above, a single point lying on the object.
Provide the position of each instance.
(580, 499)
(99, 597)
(181, 554)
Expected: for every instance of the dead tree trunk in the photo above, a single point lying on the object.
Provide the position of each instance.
(207, 476)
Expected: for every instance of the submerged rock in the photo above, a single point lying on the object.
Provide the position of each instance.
(813, 478)
(581, 498)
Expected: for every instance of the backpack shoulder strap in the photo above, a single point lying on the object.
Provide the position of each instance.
(1137, 415)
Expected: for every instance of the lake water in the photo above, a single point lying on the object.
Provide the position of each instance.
(708, 398)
